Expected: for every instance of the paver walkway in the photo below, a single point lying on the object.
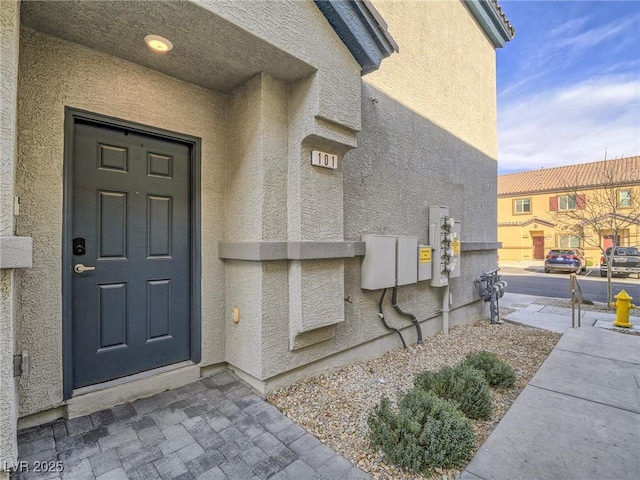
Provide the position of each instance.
(216, 428)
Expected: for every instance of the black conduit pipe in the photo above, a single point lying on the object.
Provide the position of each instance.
(381, 315)
(394, 304)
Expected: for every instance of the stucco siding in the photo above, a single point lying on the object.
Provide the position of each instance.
(255, 210)
(9, 45)
(299, 28)
(428, 139)
(8, 407)
(445, 70)
(55, 74)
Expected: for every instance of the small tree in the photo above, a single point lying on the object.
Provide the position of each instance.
(605, 206)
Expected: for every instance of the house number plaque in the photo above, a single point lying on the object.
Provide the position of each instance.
(323, 159)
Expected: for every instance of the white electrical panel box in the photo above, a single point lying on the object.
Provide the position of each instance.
(406, 260)
(378, 268)
(424, 262)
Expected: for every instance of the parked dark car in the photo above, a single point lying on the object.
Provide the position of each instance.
(626, 260)
(565, 260)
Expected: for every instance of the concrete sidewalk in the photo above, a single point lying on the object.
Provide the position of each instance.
(579, 416)
(535, 312)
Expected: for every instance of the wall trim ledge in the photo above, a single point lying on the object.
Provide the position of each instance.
(479, 246)
(261, 251)
(16, 252)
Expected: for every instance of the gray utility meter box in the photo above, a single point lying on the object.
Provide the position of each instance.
(406, 261)
(389, 261)
(379, 263)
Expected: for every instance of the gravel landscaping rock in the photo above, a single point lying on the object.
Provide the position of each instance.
(335, 406)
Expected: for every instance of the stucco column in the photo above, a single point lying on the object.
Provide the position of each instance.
(9, 42)
(315, 210)
(254, 212)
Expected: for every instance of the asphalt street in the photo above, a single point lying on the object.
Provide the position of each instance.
(533, 281)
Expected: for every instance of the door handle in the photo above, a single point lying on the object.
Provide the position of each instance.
(80, 268)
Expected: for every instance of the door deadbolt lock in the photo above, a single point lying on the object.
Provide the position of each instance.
(79, 246)
(80, 268)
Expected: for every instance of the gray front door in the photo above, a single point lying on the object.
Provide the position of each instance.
(131, 222)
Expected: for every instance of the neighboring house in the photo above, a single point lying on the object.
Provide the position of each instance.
(530, 205)
(185, 180)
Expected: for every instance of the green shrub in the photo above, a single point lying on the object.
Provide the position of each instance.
(497, 373)
(426, 432)
(463, 385)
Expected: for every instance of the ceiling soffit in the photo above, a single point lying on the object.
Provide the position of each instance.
(209, 51)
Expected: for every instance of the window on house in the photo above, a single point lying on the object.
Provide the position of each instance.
(567, 202)
(568, 241)
(625, 198)
(522, 205)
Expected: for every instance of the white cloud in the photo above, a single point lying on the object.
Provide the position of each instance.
(571, 124)
(563, 47)
(590, 38)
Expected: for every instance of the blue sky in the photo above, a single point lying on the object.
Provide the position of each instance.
(568, 83)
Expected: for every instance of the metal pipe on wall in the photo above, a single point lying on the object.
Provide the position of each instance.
(446, 302)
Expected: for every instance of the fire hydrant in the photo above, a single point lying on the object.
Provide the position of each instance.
(623, 305)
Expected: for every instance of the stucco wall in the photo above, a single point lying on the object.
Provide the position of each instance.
(428, 139)
(296, 297)
(517, 242)
(255, 207)
(445, 70)
(55, 74)
(8, 407)
(9, 43)
(299, 28)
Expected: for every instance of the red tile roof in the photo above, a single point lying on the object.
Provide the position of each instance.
(583, 175)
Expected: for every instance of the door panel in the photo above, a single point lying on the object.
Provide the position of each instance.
(159, 316)
(112, 315)
(112, 224)
(131, 204)
(159, 210)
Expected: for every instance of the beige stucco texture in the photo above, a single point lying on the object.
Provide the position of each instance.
(300, 29)
(445, 70)
(9, 43)
(54, 74)
(273, 194)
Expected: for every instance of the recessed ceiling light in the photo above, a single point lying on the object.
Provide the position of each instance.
(158, 44)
